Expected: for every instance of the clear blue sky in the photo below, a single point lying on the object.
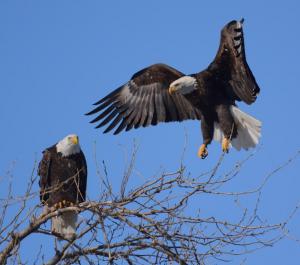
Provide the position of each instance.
(59, 57)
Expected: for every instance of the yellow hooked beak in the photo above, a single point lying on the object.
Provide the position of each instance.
(75, 140)
(172, 89)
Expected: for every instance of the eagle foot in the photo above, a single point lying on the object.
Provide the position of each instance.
(202, 152)
(225, 145)
(63, 204)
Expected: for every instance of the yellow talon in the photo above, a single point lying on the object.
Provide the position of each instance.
(62, 204)
(202, 152)
(225, 145)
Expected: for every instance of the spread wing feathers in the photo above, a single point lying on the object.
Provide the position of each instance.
(231, 64)
(43, 172)
(144, 101)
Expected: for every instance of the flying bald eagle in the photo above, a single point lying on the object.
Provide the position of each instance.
(63, 176)
(160, 93)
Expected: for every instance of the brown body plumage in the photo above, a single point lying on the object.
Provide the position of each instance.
(62, 178)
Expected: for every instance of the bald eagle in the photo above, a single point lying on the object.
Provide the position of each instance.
(63, 177)
(160, 93)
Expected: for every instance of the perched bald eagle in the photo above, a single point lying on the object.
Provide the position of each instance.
(63, 176)
(160, 93)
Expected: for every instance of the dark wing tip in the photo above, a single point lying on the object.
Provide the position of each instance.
(95, 110)
(110, 95)
(90, 113)
(94, 120)
(99, 102)
(116, 132)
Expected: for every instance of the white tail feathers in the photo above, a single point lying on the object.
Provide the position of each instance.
(65, 224)
(248, 130)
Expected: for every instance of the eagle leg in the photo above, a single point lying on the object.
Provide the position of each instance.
(227, 125)
(207, 128)
(202, 152)
(225, 145)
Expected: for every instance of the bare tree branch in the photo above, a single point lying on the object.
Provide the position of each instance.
(149, 224)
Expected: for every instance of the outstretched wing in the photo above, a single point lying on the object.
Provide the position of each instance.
(144, 101)
(231, 66)
(44, 173)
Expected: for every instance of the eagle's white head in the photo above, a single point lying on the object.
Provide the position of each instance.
(69, 145)
(183, 85)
